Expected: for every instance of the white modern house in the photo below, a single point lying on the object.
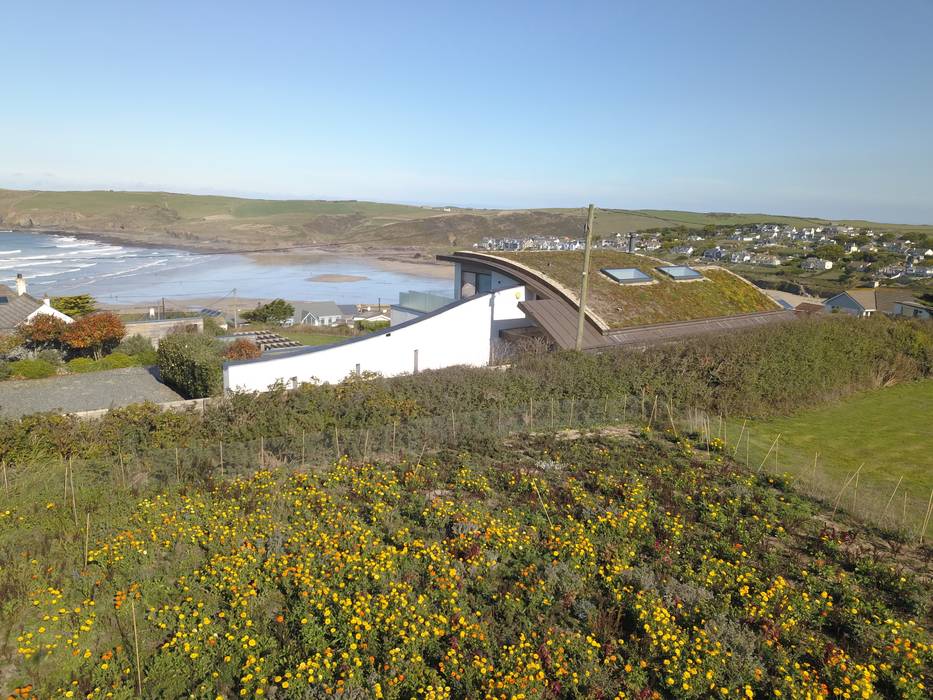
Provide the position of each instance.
(462, 333)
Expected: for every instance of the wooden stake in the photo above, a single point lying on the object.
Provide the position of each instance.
(177, 467)
(221, 460)
(654, 408)
(551, 402)
(888, 504)
(87, 535)
(849, 479)
(926, 519)
(303, 444)
(6, 484)
(366, 446)
(262, 450)
(670, 414)
(71, 480)
(139, 669)
(394, 426)
(453, 425)
(531, 413)
(65, 496)
(544, 507)
(739, 441)
(761, 466)
(337, 441)
(122, 471)
(571, 411)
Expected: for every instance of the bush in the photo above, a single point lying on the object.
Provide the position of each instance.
(5, 370)
(242, 349)
(32, 369)
(80, 365)
(211, 327)
(117, 360)
(140, 348)
(53, 357)
(191, 364)
(135, 345)
(95, 333)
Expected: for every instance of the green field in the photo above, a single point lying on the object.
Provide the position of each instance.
(887, 432)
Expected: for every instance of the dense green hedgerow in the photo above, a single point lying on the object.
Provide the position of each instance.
(770, 371)
(191, 364)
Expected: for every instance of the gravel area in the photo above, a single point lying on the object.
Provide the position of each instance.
(83, 392)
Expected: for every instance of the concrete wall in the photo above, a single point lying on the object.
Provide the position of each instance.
(460, 334)
(156, 330)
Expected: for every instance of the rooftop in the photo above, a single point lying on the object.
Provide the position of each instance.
(615, 306)
(15, 309)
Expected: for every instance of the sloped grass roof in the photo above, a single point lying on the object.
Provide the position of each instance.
(623, 306)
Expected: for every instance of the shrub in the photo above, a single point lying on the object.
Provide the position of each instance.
(242, 349)
(43, 331)
(211, 327)
(95, 333)
(80, 365)
(117, 360)
(5, 370)
(135, 345)
(32, 369)
(52, 356)
(191, 364)
(8, 344)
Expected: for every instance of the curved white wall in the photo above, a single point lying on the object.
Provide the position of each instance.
(460, 334)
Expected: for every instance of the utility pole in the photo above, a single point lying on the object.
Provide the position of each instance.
(236, 310)
(163, 308)
(581, 319)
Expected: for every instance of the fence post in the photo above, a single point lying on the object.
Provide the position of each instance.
(571, 411)
(6, 484)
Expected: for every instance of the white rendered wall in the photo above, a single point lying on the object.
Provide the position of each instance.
(460, 335)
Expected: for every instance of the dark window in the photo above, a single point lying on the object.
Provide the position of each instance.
(483, 283)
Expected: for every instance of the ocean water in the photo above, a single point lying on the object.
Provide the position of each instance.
(56, 265)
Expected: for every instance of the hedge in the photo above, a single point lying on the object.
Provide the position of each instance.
(756, 373)
(191, 364)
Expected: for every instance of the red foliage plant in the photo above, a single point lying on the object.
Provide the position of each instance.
(94, 333)
(42, 331)
(242, 349)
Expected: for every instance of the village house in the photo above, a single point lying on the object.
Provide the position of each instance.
(816, 264)
(317, 313)
(18, 307)
(912, 309)
(865, 301)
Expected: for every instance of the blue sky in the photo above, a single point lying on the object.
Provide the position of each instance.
(812, 108)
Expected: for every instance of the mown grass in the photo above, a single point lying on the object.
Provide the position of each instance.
(623, 306)
(311, 338)
(543, 567)
(887, 432)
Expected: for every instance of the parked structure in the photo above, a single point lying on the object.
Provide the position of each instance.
(18, 307)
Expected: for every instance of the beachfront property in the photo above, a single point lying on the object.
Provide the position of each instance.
(18, 307)
(508, 297)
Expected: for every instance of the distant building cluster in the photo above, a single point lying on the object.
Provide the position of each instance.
(762, 245)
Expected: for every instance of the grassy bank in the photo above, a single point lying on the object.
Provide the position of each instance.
(885, 434)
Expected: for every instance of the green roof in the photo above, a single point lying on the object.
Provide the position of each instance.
(720, 293)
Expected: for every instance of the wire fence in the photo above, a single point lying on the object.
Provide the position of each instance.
(150, 471)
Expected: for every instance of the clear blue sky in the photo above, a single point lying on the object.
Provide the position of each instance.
(815, 108)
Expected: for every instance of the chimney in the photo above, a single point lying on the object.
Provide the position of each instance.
(20, 285)
(46, 301)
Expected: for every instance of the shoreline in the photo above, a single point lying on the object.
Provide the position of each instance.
(398, 259)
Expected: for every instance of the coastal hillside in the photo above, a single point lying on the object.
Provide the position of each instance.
(231, 223)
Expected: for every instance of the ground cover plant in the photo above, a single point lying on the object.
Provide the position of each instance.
(551, 566)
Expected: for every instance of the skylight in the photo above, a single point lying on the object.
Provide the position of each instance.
(680, 273)
(626, 275)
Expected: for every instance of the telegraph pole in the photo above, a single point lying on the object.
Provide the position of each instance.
(581, 319)
(236, 310)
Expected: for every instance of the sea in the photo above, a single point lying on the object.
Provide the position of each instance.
(59, 265)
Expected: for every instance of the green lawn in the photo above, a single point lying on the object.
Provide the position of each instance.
(889, 431)
(311, 338)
